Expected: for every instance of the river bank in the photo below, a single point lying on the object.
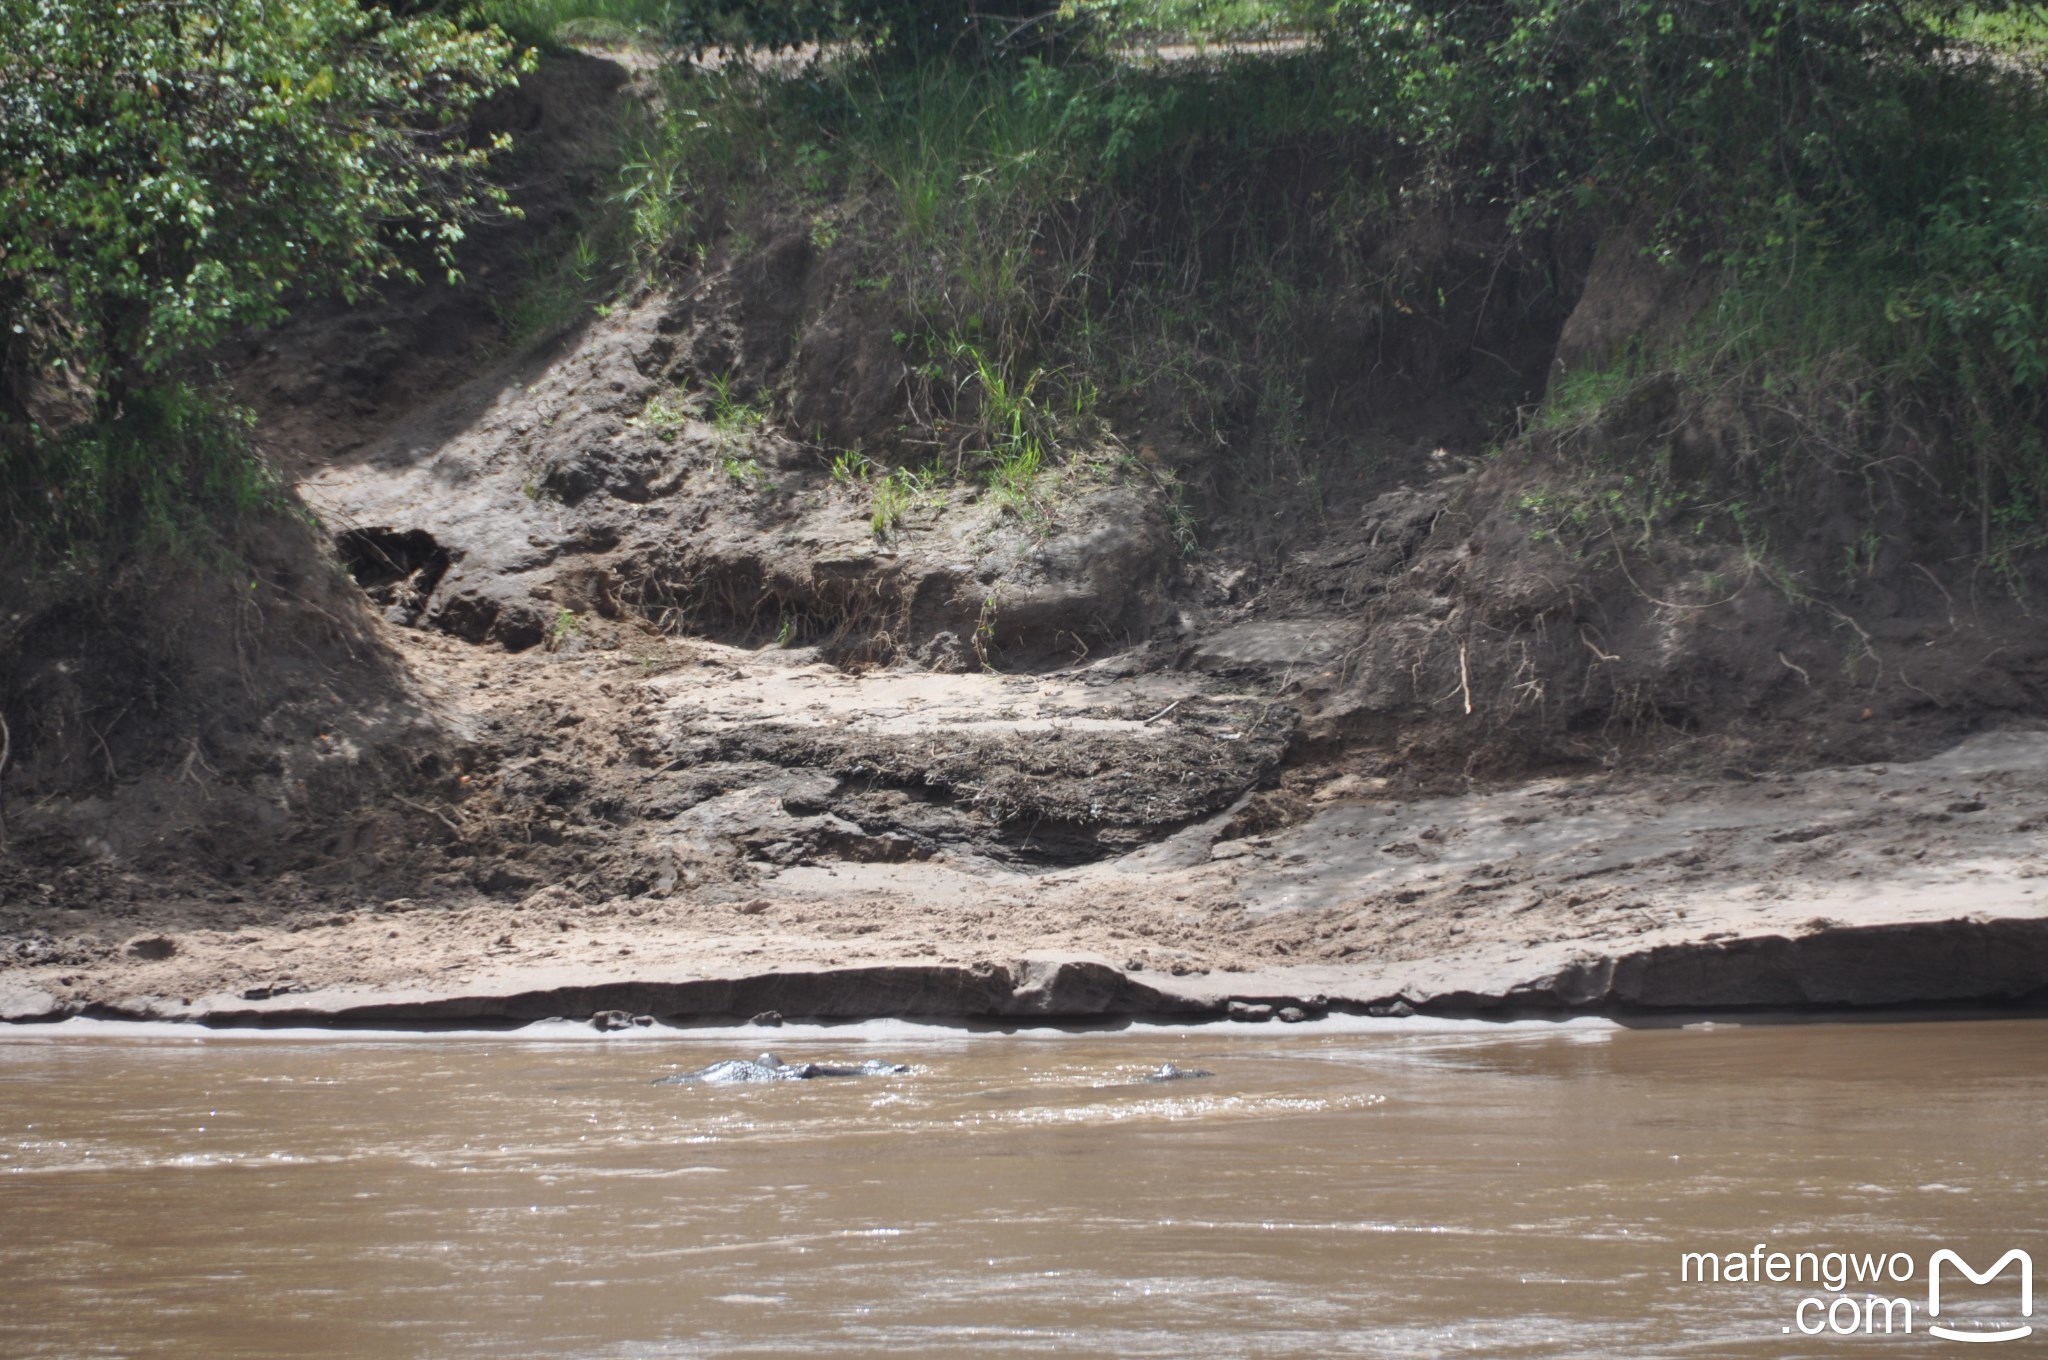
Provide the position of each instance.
(1908, 883)
(710, 650)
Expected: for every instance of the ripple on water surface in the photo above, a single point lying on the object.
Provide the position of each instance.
(1380, 1191)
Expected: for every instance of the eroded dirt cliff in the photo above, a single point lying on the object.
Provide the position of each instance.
(598, 675)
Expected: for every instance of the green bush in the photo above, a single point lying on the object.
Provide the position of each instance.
(171, 474)
(169, 172)
(1869, 182)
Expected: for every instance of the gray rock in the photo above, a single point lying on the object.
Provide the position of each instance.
(1249, 1011)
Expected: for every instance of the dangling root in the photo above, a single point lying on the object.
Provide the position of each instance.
(6, 750)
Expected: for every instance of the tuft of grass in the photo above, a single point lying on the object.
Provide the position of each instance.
(852, 468)
(1013, 481)
(901, 490)
(734, 420)
(666, 415)
(890, 499)
(565, 625)
(747, 472)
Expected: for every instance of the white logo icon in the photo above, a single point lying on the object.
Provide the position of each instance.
(1984, 1277)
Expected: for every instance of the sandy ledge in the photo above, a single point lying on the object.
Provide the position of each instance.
(1904, 884)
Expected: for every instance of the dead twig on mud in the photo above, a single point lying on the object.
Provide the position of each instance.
(1594, 647)
(1528, 684)
(1934, 699)
(1160, 714)
(107, 752)
(1869, 647)
(1795, 666)
(444, 818)
(194, 757)
(1944, 594)
(1465, 678)
(1621, 561)
(6, 750)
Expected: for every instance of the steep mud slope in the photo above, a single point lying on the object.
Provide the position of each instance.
(236, 711)
(182, 718)
(1453, 637)
(598, 479)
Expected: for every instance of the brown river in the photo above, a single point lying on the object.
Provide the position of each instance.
(1344, 1188)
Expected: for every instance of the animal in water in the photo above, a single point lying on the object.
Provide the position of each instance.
(768, 1067)
(1168, 1072)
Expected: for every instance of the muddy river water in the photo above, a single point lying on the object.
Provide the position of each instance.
(1341, 1189)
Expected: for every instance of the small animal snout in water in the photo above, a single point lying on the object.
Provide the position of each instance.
(768, 1067)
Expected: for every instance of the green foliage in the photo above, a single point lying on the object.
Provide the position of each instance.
(1064, 226)
(913, 27)
(565, 625)
(1751, 130)
(1870, 182)
(734, 420)
(1203, 22)
(666, 415)
(557, 24)
(173, 473)
(894, 493)
(746, 472)
(1010, 210)
(2020, 31)
(171, 171)
(918, 29)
